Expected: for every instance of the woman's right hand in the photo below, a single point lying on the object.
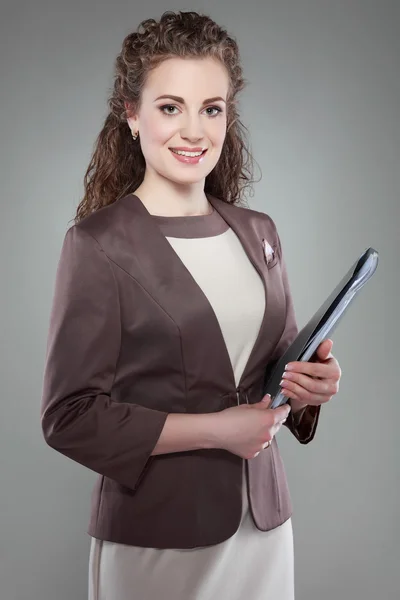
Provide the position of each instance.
(245, 429)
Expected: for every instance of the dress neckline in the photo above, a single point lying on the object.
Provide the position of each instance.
(193, 226)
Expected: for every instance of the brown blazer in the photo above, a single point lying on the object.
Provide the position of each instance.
(132, 337)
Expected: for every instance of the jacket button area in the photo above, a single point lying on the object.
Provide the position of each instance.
(240, 396)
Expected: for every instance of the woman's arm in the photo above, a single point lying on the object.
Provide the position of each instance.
(187, 432)
(79, 418)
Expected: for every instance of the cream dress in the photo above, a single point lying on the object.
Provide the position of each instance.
(252, 564)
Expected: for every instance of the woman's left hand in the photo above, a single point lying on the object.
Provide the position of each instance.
(312, 383)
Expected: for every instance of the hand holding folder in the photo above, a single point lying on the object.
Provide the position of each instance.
(323, 323)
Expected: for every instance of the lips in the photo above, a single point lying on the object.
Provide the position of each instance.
(202, 153)
(180, 148)
(187, 159)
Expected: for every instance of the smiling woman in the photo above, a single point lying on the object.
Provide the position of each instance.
(192, 131)
(160, 335)
(199, 73)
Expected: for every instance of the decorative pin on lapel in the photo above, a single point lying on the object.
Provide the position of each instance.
(269, 254)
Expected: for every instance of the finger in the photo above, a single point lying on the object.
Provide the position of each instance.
(267, 398)
(275, 428)
(308, 398)
(324, 349)
(329, 355)
(327, 370)
(297, 382)
(281, 413)
(304, 384)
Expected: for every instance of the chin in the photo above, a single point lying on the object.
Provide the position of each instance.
(186, 180)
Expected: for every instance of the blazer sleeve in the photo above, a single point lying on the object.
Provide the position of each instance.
(302, 424)
(79, 417)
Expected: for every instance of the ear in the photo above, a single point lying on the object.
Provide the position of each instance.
(128, 108)
(132, 120)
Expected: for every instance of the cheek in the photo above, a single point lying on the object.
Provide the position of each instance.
(216, 131)
(158, 130)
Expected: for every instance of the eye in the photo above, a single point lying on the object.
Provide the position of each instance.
(217, 108)
(167, 106)
(162, 108)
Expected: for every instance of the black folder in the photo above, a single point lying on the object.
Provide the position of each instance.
(322, 324)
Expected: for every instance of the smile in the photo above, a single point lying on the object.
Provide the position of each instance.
(188, 157)
(187, 153)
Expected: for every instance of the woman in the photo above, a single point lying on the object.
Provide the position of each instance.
(160, 336)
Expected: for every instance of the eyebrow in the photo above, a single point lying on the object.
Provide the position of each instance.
(181, 100)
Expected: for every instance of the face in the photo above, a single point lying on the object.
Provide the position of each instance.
(186, 119)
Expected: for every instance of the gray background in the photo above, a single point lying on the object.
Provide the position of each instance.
(323, 110)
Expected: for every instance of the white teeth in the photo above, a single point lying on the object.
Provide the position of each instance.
(187, 153)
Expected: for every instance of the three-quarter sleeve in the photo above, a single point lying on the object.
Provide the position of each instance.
(79, 417)
(302, 424)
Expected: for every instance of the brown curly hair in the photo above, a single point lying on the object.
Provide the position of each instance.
(117, 165)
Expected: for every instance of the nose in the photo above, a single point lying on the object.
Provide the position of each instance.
(193, 128)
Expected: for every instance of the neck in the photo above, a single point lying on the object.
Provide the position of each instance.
(173, 204)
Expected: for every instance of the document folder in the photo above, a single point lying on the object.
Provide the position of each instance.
(322, 324)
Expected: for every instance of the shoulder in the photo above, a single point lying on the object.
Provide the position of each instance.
(98, 226)
(261, 221)
(264, 218)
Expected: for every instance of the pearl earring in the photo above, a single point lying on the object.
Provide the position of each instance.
(134, 135)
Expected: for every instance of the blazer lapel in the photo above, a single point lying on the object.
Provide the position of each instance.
(144, 250)
(249, 229)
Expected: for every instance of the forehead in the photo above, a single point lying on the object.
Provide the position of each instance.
(188, 77)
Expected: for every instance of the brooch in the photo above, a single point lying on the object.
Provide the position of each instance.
(269, 254)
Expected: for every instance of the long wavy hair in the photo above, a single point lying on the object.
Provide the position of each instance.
(117, 165)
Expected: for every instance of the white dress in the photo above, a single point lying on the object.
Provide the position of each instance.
(252, 564)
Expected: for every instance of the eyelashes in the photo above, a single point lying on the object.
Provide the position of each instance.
(162, 109)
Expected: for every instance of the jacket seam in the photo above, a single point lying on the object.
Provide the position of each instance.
(100, 502)
(276, 482)
(110, 260)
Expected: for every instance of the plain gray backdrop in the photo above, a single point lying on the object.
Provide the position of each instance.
(323, 110)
